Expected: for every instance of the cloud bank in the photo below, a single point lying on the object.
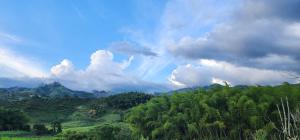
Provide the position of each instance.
(250, 37)
(207, 72)
(103, 73)
(259, 33)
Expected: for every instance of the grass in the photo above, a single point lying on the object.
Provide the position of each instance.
(79, 126)
(28, 138)
(110, 118)
(14, 133)
(22, 135)
(80, 129)
(84, 126)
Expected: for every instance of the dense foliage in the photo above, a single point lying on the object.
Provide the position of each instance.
(45, 110)
(217, 113)
(40, 129)
(13, 120)
(127, 100)
(102, 132)
(213, 112)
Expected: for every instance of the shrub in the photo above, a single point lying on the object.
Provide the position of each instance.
(40, 129)
(12, 120)
(73, 135)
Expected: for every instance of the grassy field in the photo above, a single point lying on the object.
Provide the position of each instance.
(28, 138)
(22, 135)
(79, 126)
(84, 126)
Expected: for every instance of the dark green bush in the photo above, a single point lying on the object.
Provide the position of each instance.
(73, 135)
(40, 129)
(13, 120)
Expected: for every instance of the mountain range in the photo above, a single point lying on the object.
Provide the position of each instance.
(57, 90)
(52, 90)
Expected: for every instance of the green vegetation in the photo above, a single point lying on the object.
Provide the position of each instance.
(13, 120)
(22, 135)
(217, 113)
(47, 117)
(213, 112)
(45, 110)
(127, 100)
(52, 90)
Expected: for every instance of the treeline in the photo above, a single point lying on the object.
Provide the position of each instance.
(16, 120)
(122, 101)
(127, 100)
(45, 110)
(256, 112)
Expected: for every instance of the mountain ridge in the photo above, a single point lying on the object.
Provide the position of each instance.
(52, 90)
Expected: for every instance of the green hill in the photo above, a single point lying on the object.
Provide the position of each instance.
(53, 90)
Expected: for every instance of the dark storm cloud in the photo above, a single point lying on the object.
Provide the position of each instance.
(261, 33)
(128, 48)
(285, 9)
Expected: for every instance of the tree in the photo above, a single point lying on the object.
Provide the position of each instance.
(240, 112)
(110, 132)
(56, 127)
(73, 135)
(13, 120)
(40, 129)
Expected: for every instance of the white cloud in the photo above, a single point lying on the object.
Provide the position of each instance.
(103, 73)
(220, 81)
(244, 33)
(293, 30)
(211, 71)
(15, 65)
(65, 67)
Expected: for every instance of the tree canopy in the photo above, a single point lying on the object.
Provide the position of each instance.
(221, 112)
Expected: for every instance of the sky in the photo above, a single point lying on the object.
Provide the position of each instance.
(144, 45)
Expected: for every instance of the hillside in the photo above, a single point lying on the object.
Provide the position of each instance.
(213, 112)
(52, 90)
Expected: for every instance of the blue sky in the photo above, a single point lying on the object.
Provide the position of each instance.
(148, 45)
(72, 29)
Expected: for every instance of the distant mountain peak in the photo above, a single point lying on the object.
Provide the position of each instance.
(101, 93)
(56, 84)
(52, 85)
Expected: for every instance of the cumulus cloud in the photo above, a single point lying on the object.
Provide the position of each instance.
(65, 67)
(103, 73)
(14, 65)
(207, 72)
(259, 30)
(128, 48)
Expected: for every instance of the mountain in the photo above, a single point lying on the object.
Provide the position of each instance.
(53, 90)
(102, 93)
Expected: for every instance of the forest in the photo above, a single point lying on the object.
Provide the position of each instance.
(217, 112)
